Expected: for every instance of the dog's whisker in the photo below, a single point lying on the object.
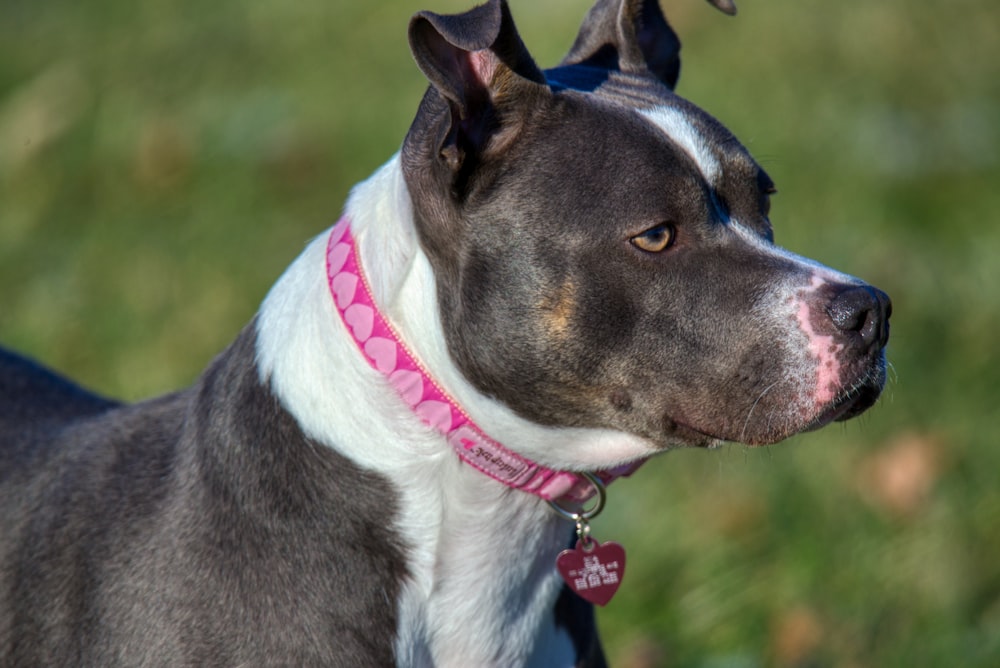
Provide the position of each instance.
(746, 422)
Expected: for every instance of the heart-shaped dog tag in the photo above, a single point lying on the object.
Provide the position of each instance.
(593, 570)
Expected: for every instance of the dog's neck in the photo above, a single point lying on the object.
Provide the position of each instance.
(456, 522)
(386, 352)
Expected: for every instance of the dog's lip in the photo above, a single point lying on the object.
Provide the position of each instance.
(865, 398)
(692, 436)
(837, 410)
(847, 405)
(850, 402)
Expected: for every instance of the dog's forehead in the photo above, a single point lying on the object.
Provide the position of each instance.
(695, 132)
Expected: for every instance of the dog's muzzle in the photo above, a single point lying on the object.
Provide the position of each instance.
(860, 315)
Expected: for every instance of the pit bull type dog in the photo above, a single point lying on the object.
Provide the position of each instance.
(560, 274)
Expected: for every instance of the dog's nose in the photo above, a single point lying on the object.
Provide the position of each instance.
(863, 311)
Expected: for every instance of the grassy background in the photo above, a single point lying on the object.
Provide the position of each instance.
(161, 162)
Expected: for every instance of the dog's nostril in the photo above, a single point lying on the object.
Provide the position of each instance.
(863, 310)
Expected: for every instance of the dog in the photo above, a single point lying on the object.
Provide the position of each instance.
(560, 274)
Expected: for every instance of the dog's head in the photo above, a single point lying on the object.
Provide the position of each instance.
(602, 247)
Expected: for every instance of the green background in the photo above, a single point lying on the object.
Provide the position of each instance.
(162, 161)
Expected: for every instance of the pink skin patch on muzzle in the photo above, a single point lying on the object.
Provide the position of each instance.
(821, 347)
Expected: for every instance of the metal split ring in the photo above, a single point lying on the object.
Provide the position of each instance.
(584, 515)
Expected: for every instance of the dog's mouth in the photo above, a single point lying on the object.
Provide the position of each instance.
(853, 401)
(690, 436)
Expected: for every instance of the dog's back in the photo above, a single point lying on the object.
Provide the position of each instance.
(37, 406)
(61, 465)
(31, 394)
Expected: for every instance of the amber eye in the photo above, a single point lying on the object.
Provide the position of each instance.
(655, 239)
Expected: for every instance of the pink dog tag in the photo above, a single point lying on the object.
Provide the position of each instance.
(594, 570)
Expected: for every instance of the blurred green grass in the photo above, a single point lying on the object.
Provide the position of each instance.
(162, 162)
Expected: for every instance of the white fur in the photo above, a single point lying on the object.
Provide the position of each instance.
(481, 556)
(679, 128)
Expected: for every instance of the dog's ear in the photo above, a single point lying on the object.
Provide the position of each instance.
(631, 36)
(475, 61)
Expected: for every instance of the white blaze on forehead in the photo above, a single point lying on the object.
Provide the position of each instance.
(678, 127)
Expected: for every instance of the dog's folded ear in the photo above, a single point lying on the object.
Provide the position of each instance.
(475, 61)
(464, 54)
(631, 36)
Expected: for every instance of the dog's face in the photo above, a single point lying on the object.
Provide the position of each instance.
(603, 251)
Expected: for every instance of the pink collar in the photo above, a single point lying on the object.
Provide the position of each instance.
(386, 352)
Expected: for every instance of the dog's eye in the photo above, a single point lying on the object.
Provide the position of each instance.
(655, 239)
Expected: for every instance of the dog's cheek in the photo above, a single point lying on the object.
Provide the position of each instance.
(503, 343)
(769, 396)
(719, 361)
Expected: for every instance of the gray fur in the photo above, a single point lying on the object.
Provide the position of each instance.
(201, 528)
